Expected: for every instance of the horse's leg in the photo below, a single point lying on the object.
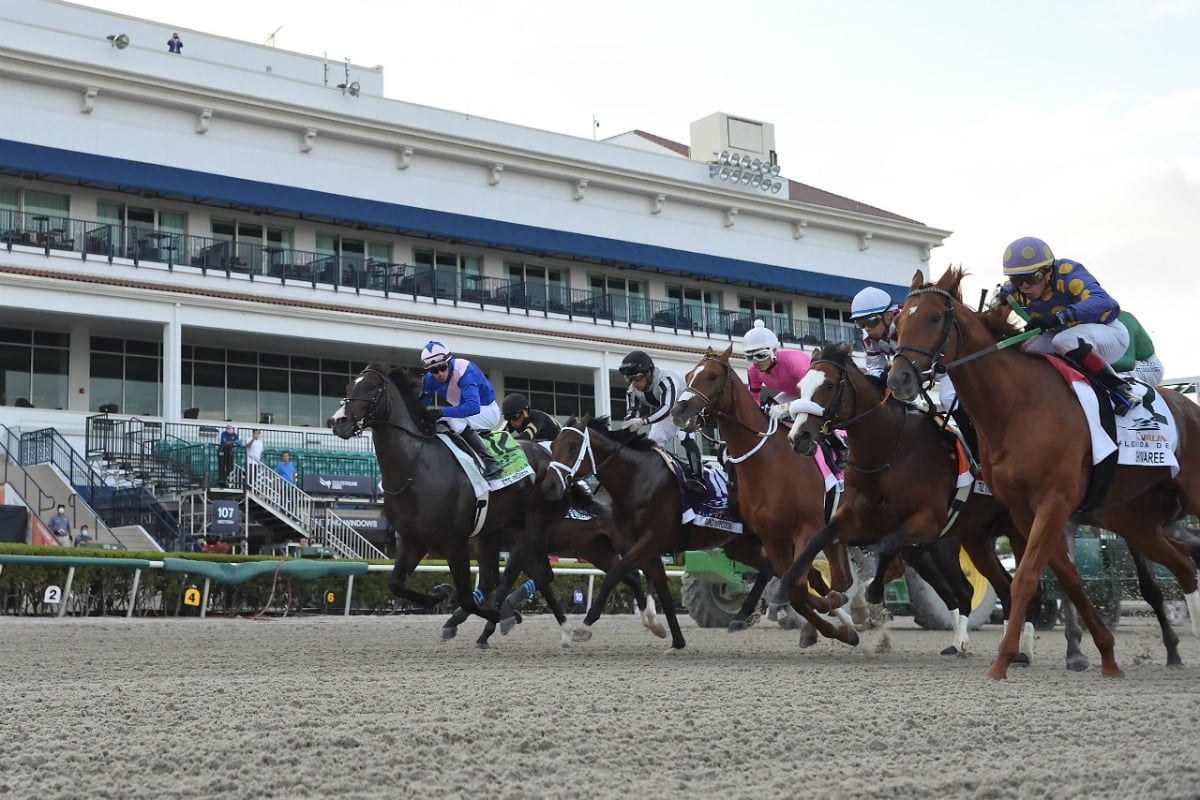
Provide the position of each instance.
(602, 554)
(801, 563)
(937, 564)
(656, 574)
(739, 622)
(406, 563)
(611, 579)
(470, 598)
(981, 547)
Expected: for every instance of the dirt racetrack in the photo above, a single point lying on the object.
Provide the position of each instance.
(329, 707)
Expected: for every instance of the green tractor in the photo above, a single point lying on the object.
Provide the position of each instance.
(715, 587)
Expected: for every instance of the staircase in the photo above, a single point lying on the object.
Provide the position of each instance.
(299, 511)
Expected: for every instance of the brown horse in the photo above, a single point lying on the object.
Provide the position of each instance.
(781, 495)
(899, 484)
(1035, 450)
(647, 506)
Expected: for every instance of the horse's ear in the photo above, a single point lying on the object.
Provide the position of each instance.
(709, 352)
(951, 281)
(843, 349)
(918, 280)
(728, 352)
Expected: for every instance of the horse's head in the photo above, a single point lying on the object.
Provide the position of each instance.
(709, 388)
(829, 394)
(571, 454)
(379, 394)
(929, 335)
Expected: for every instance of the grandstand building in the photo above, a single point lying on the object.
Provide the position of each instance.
(232, 234)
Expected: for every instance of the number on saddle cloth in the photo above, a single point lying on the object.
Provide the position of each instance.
(506, 449)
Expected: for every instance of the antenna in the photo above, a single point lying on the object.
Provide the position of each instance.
(271, 38)
(325, 56)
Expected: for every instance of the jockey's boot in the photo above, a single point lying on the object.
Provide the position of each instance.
(967, 429)
(837, 452)
(1125, 399)
(490, 467)
(694, 482)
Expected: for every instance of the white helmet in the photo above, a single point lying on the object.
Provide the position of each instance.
(759, 339)
(871, 300)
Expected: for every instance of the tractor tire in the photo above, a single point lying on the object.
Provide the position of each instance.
(711, 605)
(930, 613)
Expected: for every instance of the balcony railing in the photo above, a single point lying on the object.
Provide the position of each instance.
(355, 273)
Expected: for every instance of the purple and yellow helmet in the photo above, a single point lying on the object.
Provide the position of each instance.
(1027, 255)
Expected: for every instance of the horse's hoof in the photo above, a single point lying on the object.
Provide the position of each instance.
(808, 638)
(449, 633)
(874, 598)
(1022, 660)
(950, 651)
(852, 637)
(737, 625)
(581, 635)
(997, 674)
(1115, 672)
(482, 645)
(507, 624)
(1175, 664)
(1077, 663)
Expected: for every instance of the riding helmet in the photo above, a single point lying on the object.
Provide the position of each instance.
(636, 362)
(759, 338)
(434, 353)
(1025, 255)
(868, 302)
(514, 404)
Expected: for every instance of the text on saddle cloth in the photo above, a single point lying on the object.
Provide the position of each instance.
(1145, 437)
(712, 508)
(514, 467)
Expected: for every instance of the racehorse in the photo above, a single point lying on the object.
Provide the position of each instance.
(430, 502)
(647, 507)
(781, 495)
(900, 481)
(1035, 450)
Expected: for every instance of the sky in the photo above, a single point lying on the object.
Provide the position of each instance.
(1077, 121)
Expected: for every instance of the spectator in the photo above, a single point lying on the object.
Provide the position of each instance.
(285, 467)
(175, 44)
(228, 439)
(60, 525)
(213, 544)
(254, 448)
(84, 536)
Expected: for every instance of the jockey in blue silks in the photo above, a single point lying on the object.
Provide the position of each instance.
(468, 400)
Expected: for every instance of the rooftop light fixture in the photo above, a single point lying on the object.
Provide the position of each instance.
(746, 171)
(118, 40)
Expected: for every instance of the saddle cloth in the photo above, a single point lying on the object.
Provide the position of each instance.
(507, 452)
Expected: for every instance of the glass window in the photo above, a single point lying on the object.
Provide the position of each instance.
(306, 399)
(273, 393)
(208, 389)
(143, 386)
(49, 388)
(242, 396)
(15, 376)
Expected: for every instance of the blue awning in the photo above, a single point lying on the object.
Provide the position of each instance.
(187, 183)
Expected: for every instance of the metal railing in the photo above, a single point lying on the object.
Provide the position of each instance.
(286, 500)
(355, 272)
(29, 489)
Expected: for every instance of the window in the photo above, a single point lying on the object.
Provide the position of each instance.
(692, 309)
(537, 288)
(128, 373)
(559, 399)
(775, 314)
(33, 367)
(830, 324)
(618, 299)
(144, 221)
(342, 261)
(454, 275)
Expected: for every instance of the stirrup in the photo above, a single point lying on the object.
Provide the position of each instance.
(1123, 401)
(694, 484)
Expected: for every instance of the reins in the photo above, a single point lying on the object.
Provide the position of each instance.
(763, 436)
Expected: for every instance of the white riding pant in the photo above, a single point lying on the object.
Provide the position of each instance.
(947, 394)
(488, 419)
(1109, 340)
(662, 431)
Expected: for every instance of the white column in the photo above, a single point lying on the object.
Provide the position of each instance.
(79, 368)
(173, 368)
(600, 378)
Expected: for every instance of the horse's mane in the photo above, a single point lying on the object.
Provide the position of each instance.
(408, 386)
(602, 425)
(839, 353)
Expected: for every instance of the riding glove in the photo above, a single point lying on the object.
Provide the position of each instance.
(433, 414)
(635, 424)
(780, 411)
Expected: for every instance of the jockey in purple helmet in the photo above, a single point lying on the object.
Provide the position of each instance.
(1076, 317)
(469, 401)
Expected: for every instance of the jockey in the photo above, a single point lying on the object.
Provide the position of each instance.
(1076, 317)
(1139, 360)
(651, 394)
(470, 401)
(779, 369)
(873, 311)
(528, 423)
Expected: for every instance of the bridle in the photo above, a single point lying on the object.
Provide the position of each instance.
(723, 391)
(831, 423)
(568, 475)
(938, 352)
(378, 411)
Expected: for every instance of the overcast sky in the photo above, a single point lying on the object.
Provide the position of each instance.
(1075, 120)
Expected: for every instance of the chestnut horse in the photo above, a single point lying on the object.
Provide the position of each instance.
(781, 495)
(1035, 450)
(647, 507)
(430, 502)
(899, 483)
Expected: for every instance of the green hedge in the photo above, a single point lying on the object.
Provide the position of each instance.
(105, 591)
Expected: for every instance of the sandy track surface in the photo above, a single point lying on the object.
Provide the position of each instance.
(379, 707)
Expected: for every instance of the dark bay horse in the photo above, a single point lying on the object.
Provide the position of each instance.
(1035, 451)
(647, 507)
(781, 495)
(431, 504)
(899, 483)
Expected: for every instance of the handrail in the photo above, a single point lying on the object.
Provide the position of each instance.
(288, 501)
(6, 450)
(355, 272)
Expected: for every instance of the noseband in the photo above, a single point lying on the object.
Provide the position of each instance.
(568, 475)
(935, 355)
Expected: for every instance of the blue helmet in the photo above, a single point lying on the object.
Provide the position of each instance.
(1027, 255)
